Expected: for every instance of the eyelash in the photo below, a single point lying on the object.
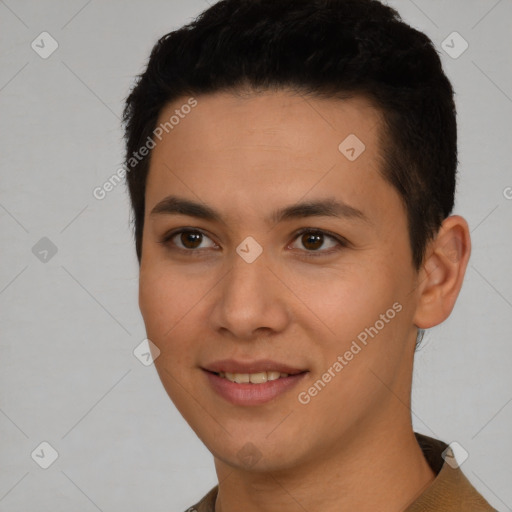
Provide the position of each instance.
(342, 243)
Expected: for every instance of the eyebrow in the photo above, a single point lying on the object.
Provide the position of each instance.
(329, 207)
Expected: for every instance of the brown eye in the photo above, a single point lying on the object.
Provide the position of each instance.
(313, 241)
(191, 239)
(188, 240)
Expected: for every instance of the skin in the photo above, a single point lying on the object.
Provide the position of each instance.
(352, 446)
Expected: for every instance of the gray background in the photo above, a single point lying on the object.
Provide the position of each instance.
(70, 324)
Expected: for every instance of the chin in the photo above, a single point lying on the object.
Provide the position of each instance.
(255, 453)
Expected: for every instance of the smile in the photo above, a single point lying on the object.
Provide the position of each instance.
(253, 378)
(252, 389)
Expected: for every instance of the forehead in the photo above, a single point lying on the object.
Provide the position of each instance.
(281, 120)
(274, 146)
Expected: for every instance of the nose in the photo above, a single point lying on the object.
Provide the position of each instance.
(250, 301)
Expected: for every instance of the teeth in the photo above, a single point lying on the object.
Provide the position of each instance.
(253, 378)
(258, 378)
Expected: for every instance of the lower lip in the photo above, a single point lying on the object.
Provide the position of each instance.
(252, 394)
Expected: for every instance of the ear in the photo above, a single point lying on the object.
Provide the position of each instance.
(442, 274)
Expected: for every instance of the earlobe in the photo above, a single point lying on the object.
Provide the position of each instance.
(442, 274)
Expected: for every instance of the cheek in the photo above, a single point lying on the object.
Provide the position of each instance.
(165, 296)
(155, 297)
(166, 307)
(350, 302)
(166, 301)
(366, 318)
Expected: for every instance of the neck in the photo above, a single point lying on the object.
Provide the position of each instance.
(375, 469)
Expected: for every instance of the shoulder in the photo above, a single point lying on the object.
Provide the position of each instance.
(450, 491)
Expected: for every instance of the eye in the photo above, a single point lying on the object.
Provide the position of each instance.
(315, 242)
(188, 240)
(315, 239)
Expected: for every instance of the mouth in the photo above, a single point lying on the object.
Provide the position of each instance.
(258, 367)
(252, 383)
(253, 378)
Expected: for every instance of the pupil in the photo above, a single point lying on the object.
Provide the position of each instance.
(191, 240)
(314, 239)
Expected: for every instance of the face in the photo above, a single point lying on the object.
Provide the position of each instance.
(294, 259)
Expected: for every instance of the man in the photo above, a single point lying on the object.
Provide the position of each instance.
(292, 175)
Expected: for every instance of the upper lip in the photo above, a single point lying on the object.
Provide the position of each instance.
(260, 365)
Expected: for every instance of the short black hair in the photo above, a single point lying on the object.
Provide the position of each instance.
(322, 48)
